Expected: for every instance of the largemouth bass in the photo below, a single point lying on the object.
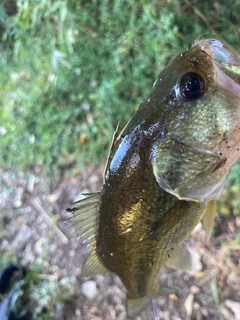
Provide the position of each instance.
(165, 170)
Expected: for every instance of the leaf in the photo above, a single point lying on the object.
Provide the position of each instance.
(230, 310)
(188, 304)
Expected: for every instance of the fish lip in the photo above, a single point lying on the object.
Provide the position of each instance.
(225, 82)
(223, 57)
(218, 50)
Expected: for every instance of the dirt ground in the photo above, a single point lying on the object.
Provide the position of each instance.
(32, 227)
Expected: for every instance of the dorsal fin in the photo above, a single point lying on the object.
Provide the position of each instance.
(116, 137)
(84, 216)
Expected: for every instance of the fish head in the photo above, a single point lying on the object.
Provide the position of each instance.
(193, 117)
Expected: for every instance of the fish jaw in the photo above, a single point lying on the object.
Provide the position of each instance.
(226, 62)
(193, 160)
(218, 50)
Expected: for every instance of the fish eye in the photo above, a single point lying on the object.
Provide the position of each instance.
(192, 85)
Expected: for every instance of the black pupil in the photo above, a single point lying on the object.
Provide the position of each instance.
(192, 85)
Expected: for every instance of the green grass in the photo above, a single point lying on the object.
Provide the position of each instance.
(71, 70)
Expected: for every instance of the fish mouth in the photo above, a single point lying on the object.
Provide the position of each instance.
(218, 50)
(226, 62)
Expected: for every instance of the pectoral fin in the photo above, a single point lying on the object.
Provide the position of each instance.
(208, 218)
(182, 259)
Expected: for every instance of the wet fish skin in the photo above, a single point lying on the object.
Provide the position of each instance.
(139, 224)
(146, 223)
(165, 170)
(200, 127)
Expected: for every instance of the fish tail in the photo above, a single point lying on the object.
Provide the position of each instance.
(136, 306)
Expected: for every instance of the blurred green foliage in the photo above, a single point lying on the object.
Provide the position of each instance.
(70, 70)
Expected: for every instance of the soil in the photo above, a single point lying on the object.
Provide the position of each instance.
(32, 227)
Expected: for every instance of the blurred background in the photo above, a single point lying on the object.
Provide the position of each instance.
(69, 72)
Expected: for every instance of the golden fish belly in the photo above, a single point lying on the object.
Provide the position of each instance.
(139, 225)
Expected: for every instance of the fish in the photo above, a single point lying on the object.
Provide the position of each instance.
(165, 170)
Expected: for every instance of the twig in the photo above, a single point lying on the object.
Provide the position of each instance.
(201, 15)
(48, 220)
(50, 277)
(234, 247)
